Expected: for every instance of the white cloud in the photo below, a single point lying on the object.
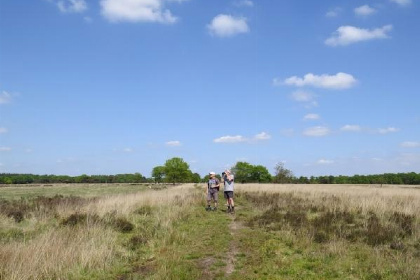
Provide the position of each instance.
(311, 117)
(3, 130)
(230, 139)
(337, 81)
(346, 35)
(325, 161)
(5, 149)
(410, 144)
(364, 10)
(302, 96)
(173, 143)
(72, 6)
(387, 130)
(351, 127)
(317, 131)
(244, 3)
(227, 25)
(5, 97)
(128, 150)
(262, 136)
(88, 19)
(402, 2)
(136, 11)
(333, 12)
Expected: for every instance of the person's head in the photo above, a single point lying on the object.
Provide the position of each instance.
(212, 174)
(227, 171)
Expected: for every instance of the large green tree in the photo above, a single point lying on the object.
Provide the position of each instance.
(248, 173)
(177, 171)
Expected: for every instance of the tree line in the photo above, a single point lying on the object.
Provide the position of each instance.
(176, 170)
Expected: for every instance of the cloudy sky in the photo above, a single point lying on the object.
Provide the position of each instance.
(120, 86)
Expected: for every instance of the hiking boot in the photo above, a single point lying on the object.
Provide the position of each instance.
(229, 209)
(214, 208)
(208, 208)
(233, 210)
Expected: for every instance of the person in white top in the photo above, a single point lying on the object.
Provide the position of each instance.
(228, 180)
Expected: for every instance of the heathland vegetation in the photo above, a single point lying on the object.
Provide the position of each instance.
(161, 231)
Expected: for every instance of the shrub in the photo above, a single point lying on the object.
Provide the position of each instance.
(123, 225)
(74, 219)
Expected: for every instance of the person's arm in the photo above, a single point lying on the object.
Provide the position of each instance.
(229, 179)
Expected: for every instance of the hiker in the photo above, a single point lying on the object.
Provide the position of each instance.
(228, 179)
(213, 186)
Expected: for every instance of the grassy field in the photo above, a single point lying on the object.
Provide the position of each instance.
(142, 232)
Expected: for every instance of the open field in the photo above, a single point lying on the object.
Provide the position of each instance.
(142, 232)
(85, 190)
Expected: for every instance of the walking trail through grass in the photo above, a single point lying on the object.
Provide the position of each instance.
(265, 243)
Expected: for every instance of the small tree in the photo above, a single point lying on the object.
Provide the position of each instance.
(282, 175)
(158, 173)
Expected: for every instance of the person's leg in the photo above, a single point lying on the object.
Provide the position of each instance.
(208, 200)
(227, 201)
(215, 199)
(231, 202)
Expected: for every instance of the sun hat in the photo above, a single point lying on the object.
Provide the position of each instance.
(227, 171)
(212, 173)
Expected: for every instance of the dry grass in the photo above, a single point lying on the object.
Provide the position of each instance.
(349, 197)
(81, 239)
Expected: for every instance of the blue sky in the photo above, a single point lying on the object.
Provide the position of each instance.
(120, 86)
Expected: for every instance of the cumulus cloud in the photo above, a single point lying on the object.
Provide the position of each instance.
(402, 2)
(72, 6)
(311, 117)
(333, 12)
(325, 161)
(230, 139)
(364, 10)
(3, 130)
(337, 81)
(346, 35)
(5, 97)
(5, 149)
(136, 11)
(387, 130)
(227, 26)
(317, 131)
(351, 128)
(306, 97)
(410, 144)
(262, 136)
(173, 143)
(302, 96)
(244, 3)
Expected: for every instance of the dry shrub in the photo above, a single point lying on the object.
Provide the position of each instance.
(329, 216)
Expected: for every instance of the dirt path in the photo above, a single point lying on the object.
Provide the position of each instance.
(234, 226)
